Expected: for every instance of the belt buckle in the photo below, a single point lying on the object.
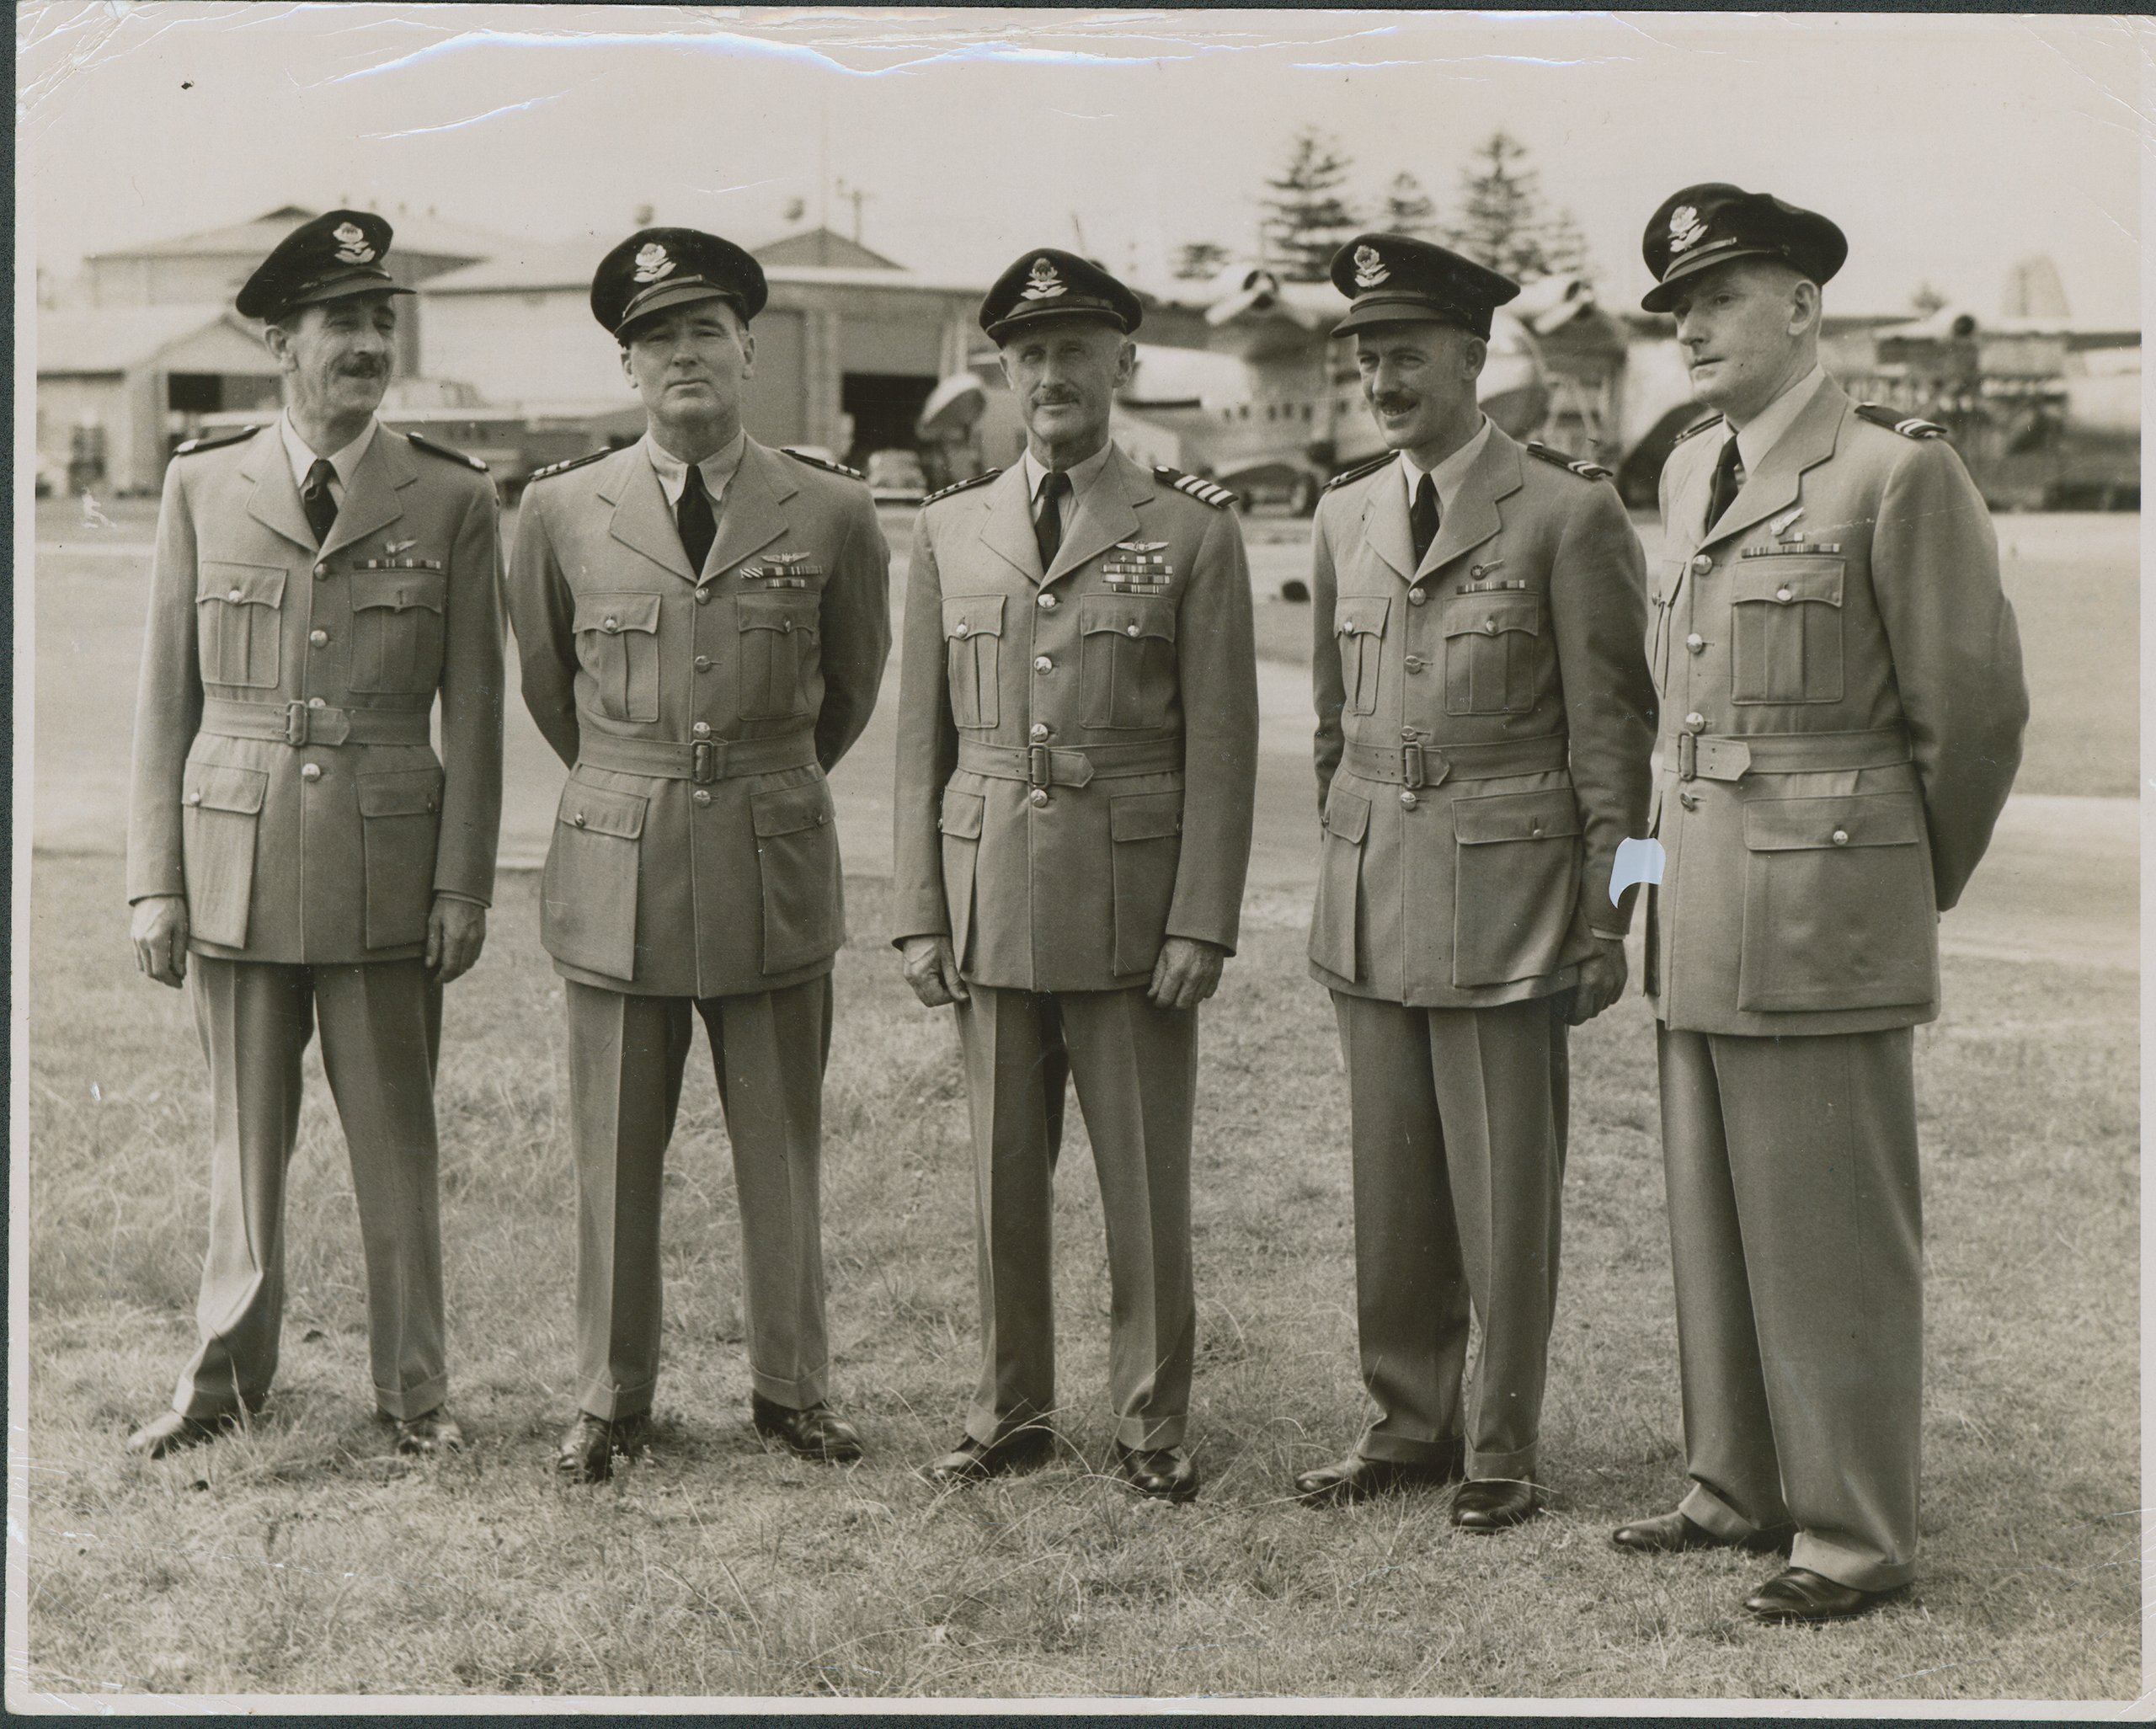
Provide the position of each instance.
(1411, 767)
(1687, 755)
(703, 762)
(296, 731)
(1040, 766)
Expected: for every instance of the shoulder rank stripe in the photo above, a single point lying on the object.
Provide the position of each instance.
(1695, 430)
(428, 444)
(553, 468)
(1358, 471)
(818, 463)
(215, 441)
(1894, 420)
(1579, 465)
(1204, 491)
(962, 486)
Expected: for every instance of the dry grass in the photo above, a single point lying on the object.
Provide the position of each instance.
(303, 1558)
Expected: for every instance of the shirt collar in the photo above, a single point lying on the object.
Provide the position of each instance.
(717, 469)
(303, 456)
(1449, 474)
(1765, 431)
(1082, 474)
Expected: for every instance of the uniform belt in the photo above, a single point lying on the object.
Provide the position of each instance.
(703, 761)
(1047, 765)
(1413, 765)
(1708, 758)
(308, 724)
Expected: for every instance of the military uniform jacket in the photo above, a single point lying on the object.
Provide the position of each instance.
(1135, 648)
(693, 852)
(1842, 706)
(1506, 662)
(291, 846)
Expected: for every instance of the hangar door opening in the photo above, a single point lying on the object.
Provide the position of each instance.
(890, 356)
(882, 407)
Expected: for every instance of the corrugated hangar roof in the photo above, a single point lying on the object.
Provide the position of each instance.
(415, 232)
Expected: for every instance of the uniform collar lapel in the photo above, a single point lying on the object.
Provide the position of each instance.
(1472, 516)
(749, 515)
(275, 501)
(1386, 526)
(1007, 530)
(1106, 515)
(1775, 483)
(371, 501)
(640, 521)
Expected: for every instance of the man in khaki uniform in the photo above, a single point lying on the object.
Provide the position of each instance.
(1077, 758)
(1842, 709)
(704, 623)
(1482, 746)
(315, 585)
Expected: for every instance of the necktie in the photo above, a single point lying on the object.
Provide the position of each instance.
(314, 499)
(1048, 526)
(1422, 520)
(693, 517)
(1728, 483)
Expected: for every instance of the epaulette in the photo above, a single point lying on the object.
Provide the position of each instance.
(1894, 420)
(818, 463)
(1204, 491)
(215, 441)
(1693, 431)
(961, 486)
(553, 468)
(434, 449)
(1579, 465)
(1358, 471)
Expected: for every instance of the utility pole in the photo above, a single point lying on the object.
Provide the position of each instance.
(855, 196)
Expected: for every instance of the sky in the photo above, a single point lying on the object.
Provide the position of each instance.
(1947, 148)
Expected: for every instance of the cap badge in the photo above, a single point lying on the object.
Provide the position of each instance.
(352, 248)
(1042, 282)
(653, 262)
(1369, 266)
(1686, 230)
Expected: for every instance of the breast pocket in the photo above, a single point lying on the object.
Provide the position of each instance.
(1490, 649)
(1516, 883)
(1129, 665)
(1786, 630)
(400, 820)
(973, 630)
(397, 630)
(617, 647)
(1358, 625)
(588, 892)
(238, 618)
(778, 637)
(220, 818)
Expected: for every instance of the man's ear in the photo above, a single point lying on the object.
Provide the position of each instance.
(1126, 362)
(1805, 306)
(1474, 356)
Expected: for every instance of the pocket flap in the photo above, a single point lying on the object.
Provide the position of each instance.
(962, 813)
(1479, 616)
(1786, 581)
(1132, 615)
(400, 792)
(1515, 816)
(787, 810)
(1145, 816)
(973, 615)
(1363, 616)
(1346, 815)
(399, 590)
(215, 788)
(241, 584)
(612, 614)
(1851, 820)
(603, 812)
(779, 613)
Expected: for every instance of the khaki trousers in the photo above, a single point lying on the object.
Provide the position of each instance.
(1136, 1068)
(1797, 1236)
(1458, 1129)
(381, 1031)
(627, 1055)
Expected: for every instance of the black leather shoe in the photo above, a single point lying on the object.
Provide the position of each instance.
(1159, 1473)
(587, 1447)
(972, 1461)
(1355, 1478)
(1675, 1533)
(1488, 1504)
(169, 1432)
(430, 1432)
(1799, 1594)
(819, 1432)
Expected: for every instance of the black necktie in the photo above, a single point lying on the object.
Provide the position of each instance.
(315, 498)
(1422, 520)
(1048, 526)
(1728, 483)
(693, 517)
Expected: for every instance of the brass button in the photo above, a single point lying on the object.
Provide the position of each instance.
(320, 638)
(1690, 801)
(962, 629)
(1040, 729)
(1046, 603)
(577, 820)
(611, 626)
(703, 663)
(1410, 800)
(1039, 797)
(1414, 663)
(194, 797)
(232, 595)
(822, 817)
(322, 570)
(1416, 597)
(311, 772)
(703, 597)
(314, 701)
(1534, 828)
(1043, 663)
(1489, 625)
(1841, 837)
(1703, 564)
(1130, 630)
(1696, 643)
(787, 625)
(701, 796)
(702, 728)
(1781, 594)
(1696, 723)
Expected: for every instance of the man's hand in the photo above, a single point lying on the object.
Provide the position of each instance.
(456, 931)
(159, 930)
(1601, 981)
(932, 969)
(1187, 972)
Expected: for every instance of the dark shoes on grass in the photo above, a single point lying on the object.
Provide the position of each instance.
(1158, 1473)
(818, 1432)
(430, 1432)
(170, 1432)
(972, 1461)
(1485, 1505)
(1799, 1594)
(589, 1445)
(1355, 1478)
(1675, 1534)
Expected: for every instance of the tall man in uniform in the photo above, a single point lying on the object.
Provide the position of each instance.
(1482, 746)
(704, 623)
(1077, 757)
(1842, 705)
(315, 585)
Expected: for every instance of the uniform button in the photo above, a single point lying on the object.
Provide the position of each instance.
(1043, 663)
(1841, 837)
(1781, 594)
(194, 797)
(1038, 796)
(702, 728)
(822, 817)
(311, 772)
(703, 663)
(577, 820)
(1534, 828)
(1690, 801)
(314, 701)
(703, 597)
(1039, 730)
(1410, 800)
(1130, 630)
(1696, 723)
(1696, 643)
(702, 797)
(1046, 603)
(320, 638)
(1703, 564)
(962, 629)
(1489, 625)
(232, 595)
(1414, 663)
(1416, 597)
(611, 624)
(322, 570)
